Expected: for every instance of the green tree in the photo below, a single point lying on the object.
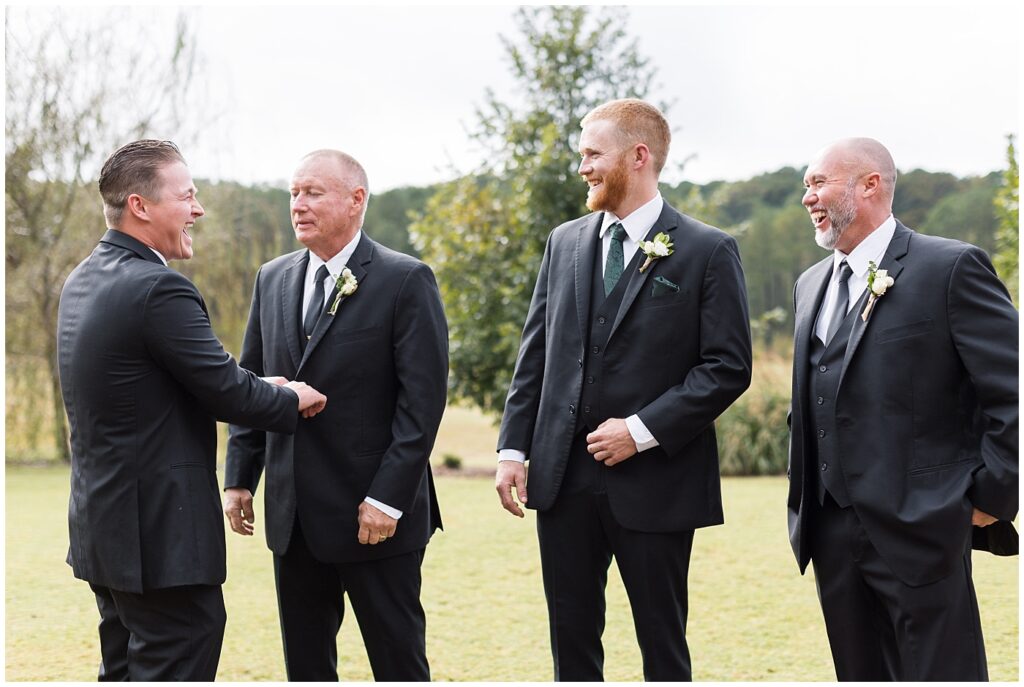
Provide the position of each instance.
(486, 233)
(1007, 203)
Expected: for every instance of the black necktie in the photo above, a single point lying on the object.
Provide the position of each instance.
(316, 306)
(842, 301)
(613, 266)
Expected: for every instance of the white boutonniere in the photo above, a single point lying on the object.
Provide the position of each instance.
(660, 247)
(879, 282)
(346, 285)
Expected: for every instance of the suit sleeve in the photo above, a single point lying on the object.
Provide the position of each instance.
(723, 373)
(420, 351)
(178, 335)
(523, 400)
(247, 446)
(984, 327)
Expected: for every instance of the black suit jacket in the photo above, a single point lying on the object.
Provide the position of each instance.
(144, 380)
(677, 360)
(382, 361)
(926, 408)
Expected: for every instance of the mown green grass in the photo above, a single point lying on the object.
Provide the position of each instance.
(752, 616)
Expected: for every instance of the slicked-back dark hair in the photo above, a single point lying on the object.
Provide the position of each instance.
(134, 168)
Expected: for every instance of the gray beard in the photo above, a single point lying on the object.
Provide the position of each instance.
(840, 217)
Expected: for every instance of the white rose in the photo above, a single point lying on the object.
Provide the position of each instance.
(660, 249)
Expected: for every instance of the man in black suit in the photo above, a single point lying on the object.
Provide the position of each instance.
(144, 379)
(349, 499)
(904, 427)
(626, 360)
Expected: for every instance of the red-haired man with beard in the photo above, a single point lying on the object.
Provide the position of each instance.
(637, 338)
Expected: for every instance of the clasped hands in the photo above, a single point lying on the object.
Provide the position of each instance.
(375, 526)
(311, 401)
(611, 443)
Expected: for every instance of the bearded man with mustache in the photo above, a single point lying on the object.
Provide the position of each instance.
(904, 421)
(628, 355)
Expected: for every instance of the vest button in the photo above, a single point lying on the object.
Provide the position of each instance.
(822, 369)
(824, 467)
(601, 320)
(595, 349)
(590, 380)
(572, 409)
(580, 361)
(821, 432)
(820, 400)
(586, 409)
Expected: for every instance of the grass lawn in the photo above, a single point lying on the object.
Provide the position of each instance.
(752, 616)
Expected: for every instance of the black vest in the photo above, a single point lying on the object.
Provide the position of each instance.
(603, 310)
(826, 365)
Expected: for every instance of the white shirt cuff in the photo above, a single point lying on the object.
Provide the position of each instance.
(642, 436)
(511, 454)
(384, 508)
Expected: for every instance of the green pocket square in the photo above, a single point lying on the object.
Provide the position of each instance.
(662, 286)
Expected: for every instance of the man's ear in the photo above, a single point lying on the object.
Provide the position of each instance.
(358, 198)
(137, 205)
(872, 184)
(641, 155)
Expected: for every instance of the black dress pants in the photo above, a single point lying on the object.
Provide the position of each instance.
(161, 635)
(385, 596)
(578, 538)
(881, 629)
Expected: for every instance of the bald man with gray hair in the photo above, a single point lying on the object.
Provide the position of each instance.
(904, 423)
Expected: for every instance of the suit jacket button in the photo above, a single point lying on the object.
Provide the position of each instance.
(820, 400)
(821, 432)
(595, 349)
(822, 369)
(601, 320)
(824, 467)
(572, 409)
(590, 380)
(580, 361)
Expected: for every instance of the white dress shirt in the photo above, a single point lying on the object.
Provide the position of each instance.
(636, 224)
(871, 249)
(334, 267)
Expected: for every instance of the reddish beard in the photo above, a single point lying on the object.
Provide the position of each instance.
(613, 189)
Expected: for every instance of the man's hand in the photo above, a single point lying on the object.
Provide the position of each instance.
(982, 519)
(311, 401)
(374, 525)
(611, 442)
(238, 510)
(511, 473)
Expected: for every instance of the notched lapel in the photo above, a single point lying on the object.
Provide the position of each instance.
(291, 305)
(358, 265)
(667, 222)
(890, 262)
(587, 243)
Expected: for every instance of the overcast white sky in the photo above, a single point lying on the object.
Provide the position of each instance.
(753, 88)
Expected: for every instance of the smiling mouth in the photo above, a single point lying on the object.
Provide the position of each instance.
(819, 217)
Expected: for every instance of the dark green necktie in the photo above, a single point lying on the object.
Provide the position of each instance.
(614, 264)
(316, 303)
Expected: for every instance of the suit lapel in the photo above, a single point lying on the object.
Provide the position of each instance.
(291, 304)
(667, 221)
(891, 262)
(362, 257)
(587, 243)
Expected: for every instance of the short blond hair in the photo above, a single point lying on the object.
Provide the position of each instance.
(638, 122)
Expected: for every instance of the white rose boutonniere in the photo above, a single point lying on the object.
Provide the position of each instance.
(879, 282)
(346, 285)
(660, 247)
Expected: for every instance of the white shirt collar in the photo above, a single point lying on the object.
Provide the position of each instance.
(336, 264)
(871, 249)
(638, 222)
(158, 254)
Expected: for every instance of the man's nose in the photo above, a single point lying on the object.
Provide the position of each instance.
(197, 209)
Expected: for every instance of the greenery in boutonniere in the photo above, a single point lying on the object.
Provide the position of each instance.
(660, 247)
(879, 282)
(346, 285)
